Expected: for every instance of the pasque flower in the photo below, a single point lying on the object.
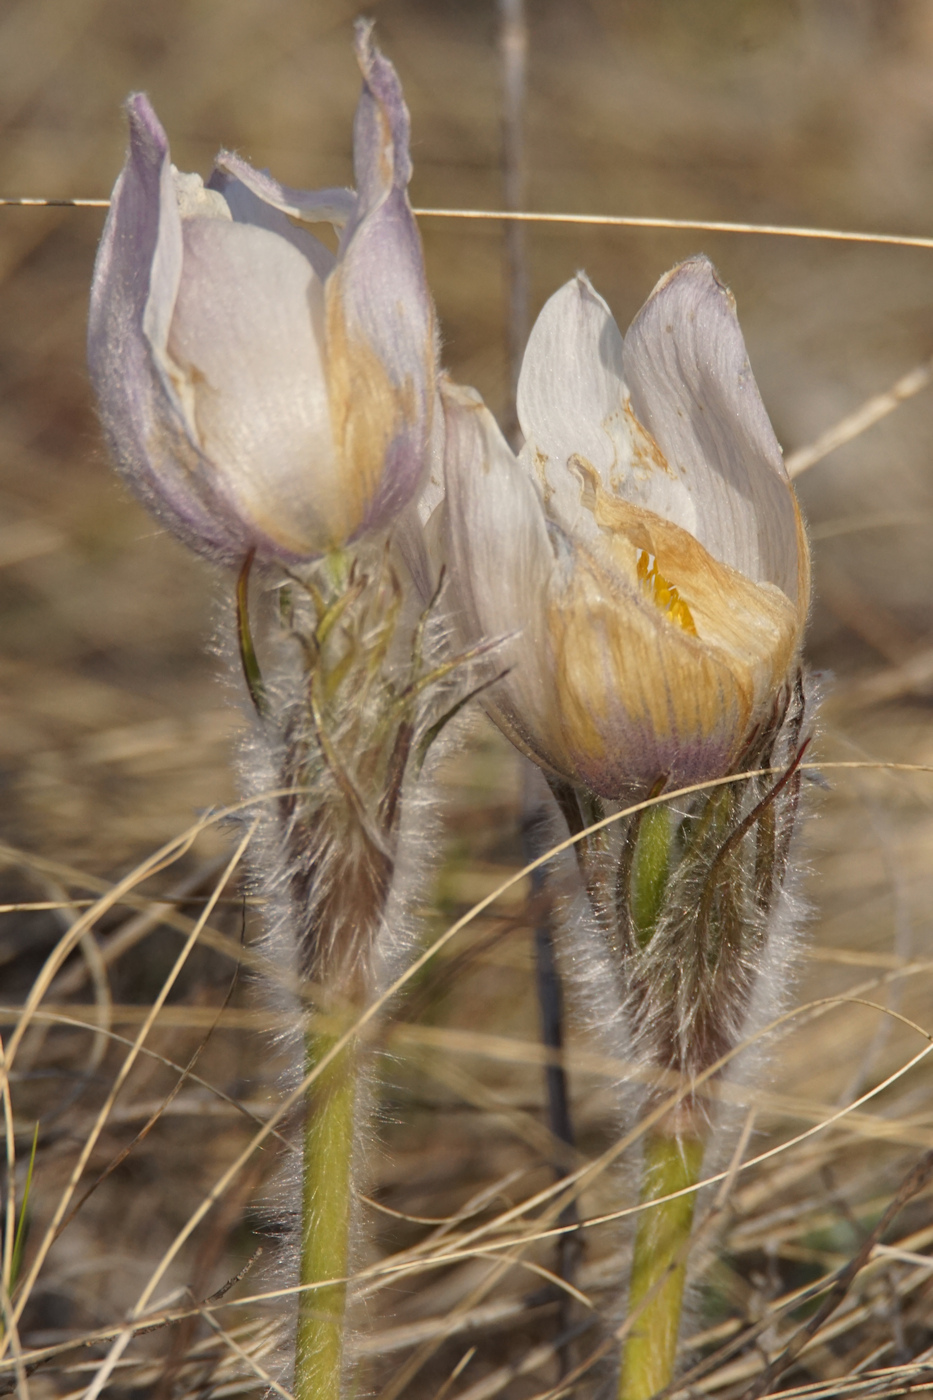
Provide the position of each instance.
(258, 392)
(644, 554)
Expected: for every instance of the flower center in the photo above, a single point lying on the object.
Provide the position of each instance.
(662, 594)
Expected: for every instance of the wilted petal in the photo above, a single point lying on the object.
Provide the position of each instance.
(637, 703)
(691, 385)
(658, 691)
(660, 639)
(380, 319)
(604, 688)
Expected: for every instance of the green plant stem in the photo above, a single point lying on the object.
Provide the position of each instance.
(672, 1161)
(325, 1223)
(650, 870)
(659, 1265)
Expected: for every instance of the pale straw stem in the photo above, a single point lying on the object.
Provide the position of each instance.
(896, 240)
(864, 417)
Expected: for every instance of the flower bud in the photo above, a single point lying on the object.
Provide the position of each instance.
(257, 392)
(645, 553)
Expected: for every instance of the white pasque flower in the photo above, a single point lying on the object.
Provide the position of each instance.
(644, 554)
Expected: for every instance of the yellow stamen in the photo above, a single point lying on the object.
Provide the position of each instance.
(662, 594)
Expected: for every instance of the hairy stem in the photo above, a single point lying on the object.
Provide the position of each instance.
(672, 1161)
(325, 1223)
(659, 1265)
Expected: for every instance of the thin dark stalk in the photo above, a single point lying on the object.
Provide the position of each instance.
(551, 1002)
(513, 49)
(551, 1010)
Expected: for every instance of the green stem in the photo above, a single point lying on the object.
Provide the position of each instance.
(650, 870)
(325, 1222)
(659, 1265)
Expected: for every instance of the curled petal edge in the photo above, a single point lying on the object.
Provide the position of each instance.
(331, 206)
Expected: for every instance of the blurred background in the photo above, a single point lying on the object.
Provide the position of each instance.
(116, 734)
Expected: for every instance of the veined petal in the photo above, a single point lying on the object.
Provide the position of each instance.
(133, 293)
(692, 387)
(250, 408)
(574, 410)
(635, 703)
(570, 397)
(245, 356)
(645, 695)
(380, 319)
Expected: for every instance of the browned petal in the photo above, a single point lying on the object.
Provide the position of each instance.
(639, 695)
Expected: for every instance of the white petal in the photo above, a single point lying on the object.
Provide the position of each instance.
(245, 358)
(418, 529)
(570, 400)
(501, 561)
(246, 207)
(573, 406)
(692, 387)
(570, 390)
(433, 491)
(195, 201)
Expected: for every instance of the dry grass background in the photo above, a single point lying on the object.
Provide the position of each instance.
(116, 734)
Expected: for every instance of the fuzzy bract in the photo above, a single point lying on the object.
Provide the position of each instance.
(644, 554)
(259, 392)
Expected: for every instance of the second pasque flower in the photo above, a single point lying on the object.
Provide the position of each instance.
(645, 552)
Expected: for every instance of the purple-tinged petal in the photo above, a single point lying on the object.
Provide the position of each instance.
(417, 529)
(595, 687)
(381, 128)
(332, 206)
(249, 407)
(692, 387)
(132, 298)
(147, 406)
(380, 318)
